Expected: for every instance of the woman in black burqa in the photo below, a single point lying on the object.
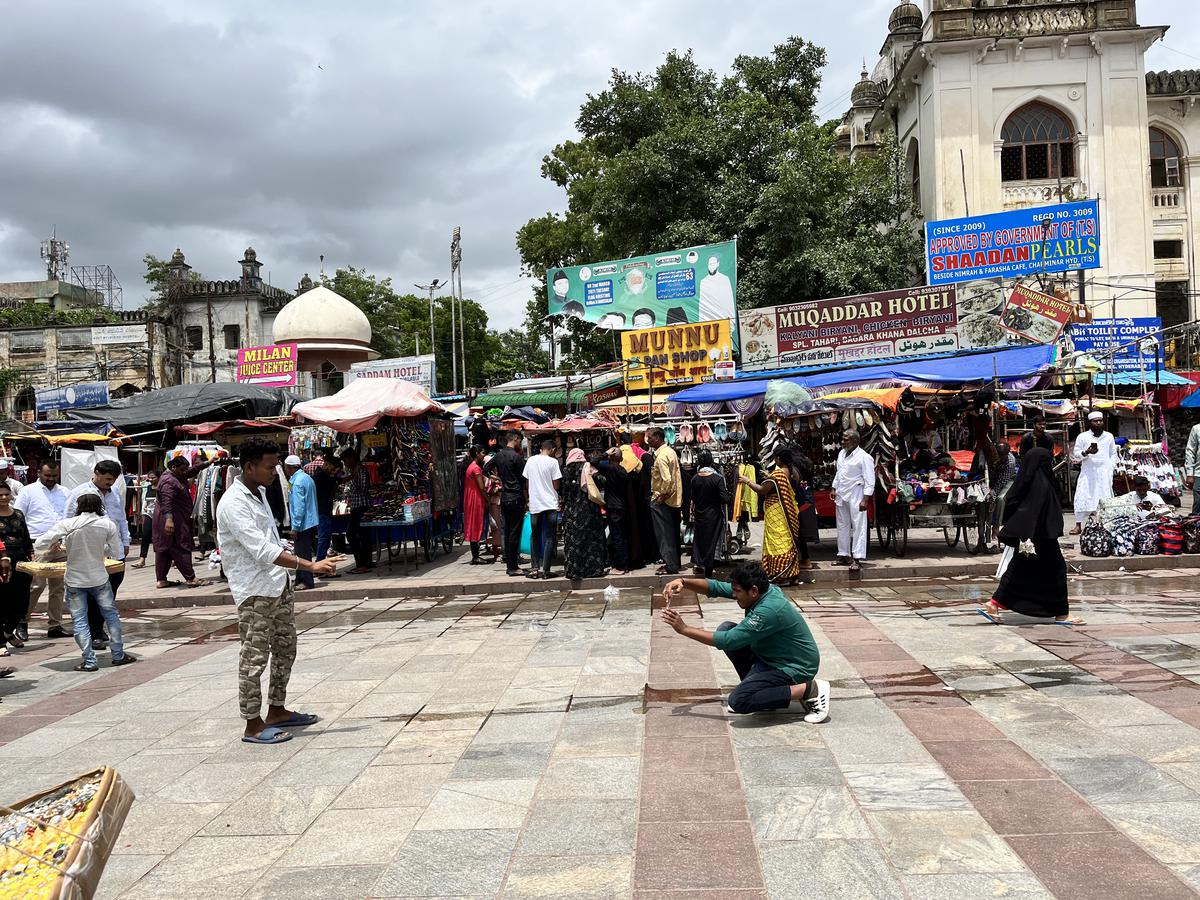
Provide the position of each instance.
(1033, 584)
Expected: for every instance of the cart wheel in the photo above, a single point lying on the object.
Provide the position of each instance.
(447, 543)
(883, 530)
(900, 533)
(982, 527)
(972, 537)
(951, 541)
(428, 546)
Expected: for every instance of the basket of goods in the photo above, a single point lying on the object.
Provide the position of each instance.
(55, 844)
(58, 570)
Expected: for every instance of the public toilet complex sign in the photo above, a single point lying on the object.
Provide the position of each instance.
(677, 355)
(76, 396)
(1127, 345)
(1058, 238)
(919, 320)
(270, 366)
(420, 370)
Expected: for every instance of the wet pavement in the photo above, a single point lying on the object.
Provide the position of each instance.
(556, 744)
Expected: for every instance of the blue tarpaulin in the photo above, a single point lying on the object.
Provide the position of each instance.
(1016, 362)
(1150, 378)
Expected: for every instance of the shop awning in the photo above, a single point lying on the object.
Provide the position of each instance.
(1137, 379)
(363, 402)
(637, 405)
(531, 398)
(572, 423)
(206, 428)
(1013, 363)
(187, 403)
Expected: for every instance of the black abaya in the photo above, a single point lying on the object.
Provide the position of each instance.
(1035, 584)
(709, 499)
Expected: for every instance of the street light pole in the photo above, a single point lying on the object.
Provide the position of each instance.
(431, 287)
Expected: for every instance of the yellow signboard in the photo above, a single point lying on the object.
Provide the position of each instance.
(675, 355)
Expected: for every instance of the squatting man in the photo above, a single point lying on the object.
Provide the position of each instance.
(772, 648)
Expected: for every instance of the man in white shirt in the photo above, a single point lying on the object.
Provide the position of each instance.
(104, 476)
(716, 295)
(89, 538)
(543, 474)
(256, 563)
(853, 486)
(1095, 452)
(43, 504)
(1141, 497)
(8, 472)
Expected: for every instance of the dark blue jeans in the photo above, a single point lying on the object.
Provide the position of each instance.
(543, 531)
(762, 687)
(324, 535)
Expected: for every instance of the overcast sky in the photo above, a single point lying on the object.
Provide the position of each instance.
(360, 130)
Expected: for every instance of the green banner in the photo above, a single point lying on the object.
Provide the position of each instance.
(696, 284)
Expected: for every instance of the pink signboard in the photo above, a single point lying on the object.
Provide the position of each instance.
(270, 366)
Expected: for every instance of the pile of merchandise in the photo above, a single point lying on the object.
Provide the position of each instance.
(1147, 459)
(1119, 528)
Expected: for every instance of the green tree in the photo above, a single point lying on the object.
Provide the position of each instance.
(400, 323)
(156, 276)
(511, 354)
(32, 314)
(684, 156)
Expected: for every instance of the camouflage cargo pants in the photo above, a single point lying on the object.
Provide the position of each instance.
(267, 627)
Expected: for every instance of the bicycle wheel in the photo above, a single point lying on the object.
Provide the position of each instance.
(947, 531)
(883, 528)
(901, 533)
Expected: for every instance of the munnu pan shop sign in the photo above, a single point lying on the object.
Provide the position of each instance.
(850, 329)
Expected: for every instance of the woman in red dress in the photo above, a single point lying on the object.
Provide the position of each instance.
(474, 502)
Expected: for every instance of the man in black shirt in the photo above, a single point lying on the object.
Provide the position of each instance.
(325, 472)
(508, 464)
(1037, 438)
(614, 502)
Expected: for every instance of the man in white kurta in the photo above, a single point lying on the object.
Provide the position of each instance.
(853, 486)
(1095, 452)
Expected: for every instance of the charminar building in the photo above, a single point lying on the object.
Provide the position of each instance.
(1003, 104)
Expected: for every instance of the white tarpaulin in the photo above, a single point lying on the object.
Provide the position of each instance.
(362, 403)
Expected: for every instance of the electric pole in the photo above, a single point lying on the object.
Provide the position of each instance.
(456, 275)
(431, 287)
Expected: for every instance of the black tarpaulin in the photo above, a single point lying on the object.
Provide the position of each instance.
(189, 403)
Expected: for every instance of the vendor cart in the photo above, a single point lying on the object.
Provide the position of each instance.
(961, 508)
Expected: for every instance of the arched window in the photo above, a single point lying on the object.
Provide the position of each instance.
(1164, 160)
(1038, 143)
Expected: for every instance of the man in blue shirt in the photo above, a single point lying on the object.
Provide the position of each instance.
(302, 507)
(771, 648)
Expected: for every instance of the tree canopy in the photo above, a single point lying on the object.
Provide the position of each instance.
(684, 157)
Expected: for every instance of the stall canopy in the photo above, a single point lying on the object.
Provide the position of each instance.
(207, 428)
(188, 403)
(1137, 379)
(363, 402)
(1013, 363)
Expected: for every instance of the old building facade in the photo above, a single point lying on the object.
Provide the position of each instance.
(1002, 104)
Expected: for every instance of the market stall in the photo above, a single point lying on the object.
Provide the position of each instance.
(406, 443)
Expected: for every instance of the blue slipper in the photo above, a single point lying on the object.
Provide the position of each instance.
(299, 720)
(272, 734)
(987, 615)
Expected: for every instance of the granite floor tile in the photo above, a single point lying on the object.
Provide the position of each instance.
(582, 739)
(316, 766)
(696, 856)
(351, 837)
(1033, 807)
(509, 760)
(705, 720)
(162, 826)
(494, 804)
(122, 872)
(410, 748)
(846, 870)
(510, 727)
(591, 778)
(805, 813)
(1121, 779)
(388, 786)
(786, 767)
(1089, 866)
(688, 756)
(910, 786)
(571, 828)
(985, 761)
(316, 883)
(1168, 831)
(701, 797)
(943, 841)
(348, 732)
(273, 809)
(216, 867)
(1010, 885)
(950, 725)
(448, 864)
(568, 877)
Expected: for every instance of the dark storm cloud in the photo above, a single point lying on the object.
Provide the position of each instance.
(139, 127)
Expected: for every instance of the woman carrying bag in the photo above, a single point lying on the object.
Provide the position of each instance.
(1033, 573)
(582, 524)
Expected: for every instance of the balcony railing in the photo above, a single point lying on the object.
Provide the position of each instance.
(1019, 194)
(1168, 198)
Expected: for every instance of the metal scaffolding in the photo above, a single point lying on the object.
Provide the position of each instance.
(100, 281)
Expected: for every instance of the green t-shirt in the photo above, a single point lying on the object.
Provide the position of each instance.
(774, 631)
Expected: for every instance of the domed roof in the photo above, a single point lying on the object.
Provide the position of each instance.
(322, 315)
(906, 17)
(866, 92)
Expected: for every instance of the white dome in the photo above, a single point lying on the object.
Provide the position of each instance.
(321, 315)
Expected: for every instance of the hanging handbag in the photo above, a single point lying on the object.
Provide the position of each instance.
(594, 493)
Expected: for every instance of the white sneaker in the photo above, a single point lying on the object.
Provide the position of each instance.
(818, 706)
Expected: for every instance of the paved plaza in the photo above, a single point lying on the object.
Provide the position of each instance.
(556, 744)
